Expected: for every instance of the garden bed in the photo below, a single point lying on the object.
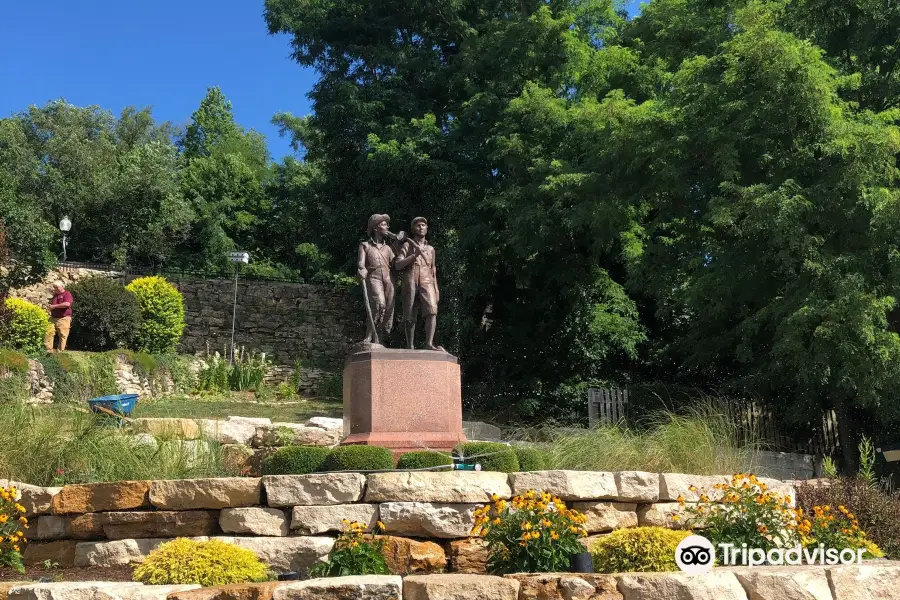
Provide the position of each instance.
(39, 572)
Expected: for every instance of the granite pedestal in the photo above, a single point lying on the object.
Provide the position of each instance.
(403, 400)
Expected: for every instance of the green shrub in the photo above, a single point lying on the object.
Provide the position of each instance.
(637, 550)
(531, 459)
(183, 561)
(26, 328)
(358, 458)
(331, 386)
(162, 314)
(492, 456)
(295, 460)
(107, 316)
(178, 368)
(877, 512)
(423, 459)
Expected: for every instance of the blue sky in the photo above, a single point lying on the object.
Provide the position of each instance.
(163, 54)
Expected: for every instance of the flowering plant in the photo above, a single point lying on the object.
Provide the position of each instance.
(745, 512)
(354, 554)
(12, 524)
(836, 530)
(533, 533)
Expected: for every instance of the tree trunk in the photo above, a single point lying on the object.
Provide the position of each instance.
(846, 436)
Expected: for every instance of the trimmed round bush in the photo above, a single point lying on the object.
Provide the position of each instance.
(358, 458)
(162, 314)
(531, 459)
(107, 316)
(423, 459)
(295, 460)
(637, 550)
(26, 327)
(492, 456)
(183, 562)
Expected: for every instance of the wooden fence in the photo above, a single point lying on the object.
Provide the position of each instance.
(606, 406)
(753, 422)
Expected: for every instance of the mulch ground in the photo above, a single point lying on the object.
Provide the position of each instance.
(75, 574)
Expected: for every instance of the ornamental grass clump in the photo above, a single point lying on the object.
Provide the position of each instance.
(12, 529)
(532, 533)
(354, 553)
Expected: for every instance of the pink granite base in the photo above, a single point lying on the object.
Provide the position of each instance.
(403, 400)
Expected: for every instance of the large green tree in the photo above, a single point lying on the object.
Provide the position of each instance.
(409, 116)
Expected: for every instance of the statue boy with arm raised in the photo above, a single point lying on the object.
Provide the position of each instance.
(374, 262)
(416, 261)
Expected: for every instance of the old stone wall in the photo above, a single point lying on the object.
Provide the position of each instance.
(289, 321)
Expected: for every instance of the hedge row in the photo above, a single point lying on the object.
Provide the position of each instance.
(492, 456)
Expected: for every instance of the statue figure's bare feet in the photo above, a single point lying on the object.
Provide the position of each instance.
(435, 348)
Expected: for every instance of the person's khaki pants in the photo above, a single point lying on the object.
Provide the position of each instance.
(59, 326)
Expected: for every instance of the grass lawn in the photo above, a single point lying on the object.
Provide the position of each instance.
(238, 405)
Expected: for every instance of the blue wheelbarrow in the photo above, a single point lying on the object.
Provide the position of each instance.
(118, 407)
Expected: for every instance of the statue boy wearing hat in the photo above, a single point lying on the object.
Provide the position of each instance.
(374, 269)
(415, 260)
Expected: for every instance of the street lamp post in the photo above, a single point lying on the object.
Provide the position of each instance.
(238, 258)
(64, 225)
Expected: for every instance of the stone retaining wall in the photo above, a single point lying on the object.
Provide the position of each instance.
(875, 580)
(291, 521)
(127, 382)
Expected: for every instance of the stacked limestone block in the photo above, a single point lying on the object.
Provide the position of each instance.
(291, 521)
(867, 582)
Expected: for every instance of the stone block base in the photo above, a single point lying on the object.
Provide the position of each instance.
(404, 400)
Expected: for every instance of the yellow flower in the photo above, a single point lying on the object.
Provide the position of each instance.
(381, 525)
(676, 518)
(680, 499)
(554, 535)
(20, 508)
(496, 521)
(526, 526)
(16, 548)
(495, 498)
(762, 529)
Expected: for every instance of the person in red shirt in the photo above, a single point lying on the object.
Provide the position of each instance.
(60, 317)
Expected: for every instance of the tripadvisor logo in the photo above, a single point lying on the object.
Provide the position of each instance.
(696, 554)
